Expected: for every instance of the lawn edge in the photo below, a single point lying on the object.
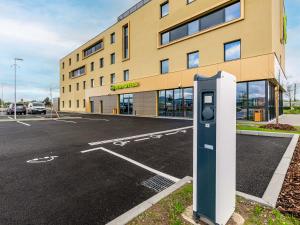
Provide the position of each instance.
(137, 210)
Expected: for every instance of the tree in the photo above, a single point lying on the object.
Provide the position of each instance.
(47, 101)
(290, 93)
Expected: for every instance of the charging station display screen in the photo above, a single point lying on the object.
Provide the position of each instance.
(208, 99)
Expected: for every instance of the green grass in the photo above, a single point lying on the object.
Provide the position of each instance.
(256, 127)
(295, 110)
(169, 210)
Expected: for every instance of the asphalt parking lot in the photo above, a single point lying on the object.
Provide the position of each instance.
(92, 169)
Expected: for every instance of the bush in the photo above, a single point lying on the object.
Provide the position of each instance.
(286, 127)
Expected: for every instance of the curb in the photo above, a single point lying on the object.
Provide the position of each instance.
(39, 119)
(137, 210)
(266, 134)
(273, 190)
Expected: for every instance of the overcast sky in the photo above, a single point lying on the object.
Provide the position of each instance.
(42, 31)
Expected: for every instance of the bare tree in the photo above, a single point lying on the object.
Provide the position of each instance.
(290, 93)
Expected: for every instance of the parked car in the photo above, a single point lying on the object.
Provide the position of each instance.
(21, 109)
(36, 107)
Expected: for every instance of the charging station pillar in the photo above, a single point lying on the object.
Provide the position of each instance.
(214, 148)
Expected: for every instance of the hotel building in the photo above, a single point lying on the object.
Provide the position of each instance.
(144, 64)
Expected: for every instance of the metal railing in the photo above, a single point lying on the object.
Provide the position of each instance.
(134, 8)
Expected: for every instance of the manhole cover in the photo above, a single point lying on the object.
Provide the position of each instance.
(158, 183)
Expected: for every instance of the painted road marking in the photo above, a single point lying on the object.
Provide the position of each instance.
(96, 119)
(26, 124)
(142, 139)
(42, 160)
(10, 118)
(121, 143)
(134, 162)
(138, 136)
(67, 121)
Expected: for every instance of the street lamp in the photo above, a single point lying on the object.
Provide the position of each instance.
(15, 65)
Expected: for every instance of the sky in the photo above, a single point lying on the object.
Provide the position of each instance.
(42, 31)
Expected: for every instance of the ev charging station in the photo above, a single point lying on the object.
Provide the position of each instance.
(214, 148)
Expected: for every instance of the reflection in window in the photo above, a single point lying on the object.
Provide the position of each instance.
(164, 9)
(193, 60)
(241, 101)
(257, 97)
(233, 12)
(232, 51)
(164, 66)
(165, 38)
(193, 27)
(177, 102)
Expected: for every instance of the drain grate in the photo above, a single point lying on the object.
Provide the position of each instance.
(157, 183)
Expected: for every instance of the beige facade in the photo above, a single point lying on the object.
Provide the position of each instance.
(259, 27)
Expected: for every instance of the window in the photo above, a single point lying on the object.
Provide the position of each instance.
(165, 38)
(78, 72)
(70, 61)
(63, 77)
(164, 66)
(92, 83)
(164, 9)
(233, 12)
(92, 66)
(112, 58)
(63, 89)
(63, 104)
(77, 57)
(242, 101)
(112, 38)
(77, 86)
(125, 42)
(70, 104)
(193, 27)
(101, 81)
(94, 48)
(126, 75)
(77, 103)
(101, 62)
(232, 51)
(179, 32)
(212, 19)
(193, 60)
(189, 1)
(84, 82)
(112, 78)
(63, 65)
(83, 103)
(70, 88)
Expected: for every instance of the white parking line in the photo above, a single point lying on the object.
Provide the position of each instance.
(26, 124)
(10, 118)
(134, 162)
(67, 121)
(96, 119)
(138, 136)
(142, 139)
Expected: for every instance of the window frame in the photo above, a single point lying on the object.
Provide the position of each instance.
(112, 58)
(231, 42)
(112, 78)
(126, 72)
(113, 38)
(101, 62)
(161, 9)
(101, 81)
(161, 65)
(188, 61)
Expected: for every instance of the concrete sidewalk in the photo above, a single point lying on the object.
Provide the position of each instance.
(292, 119)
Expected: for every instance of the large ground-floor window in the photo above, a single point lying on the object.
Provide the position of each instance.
(176, 102)
(256, 96)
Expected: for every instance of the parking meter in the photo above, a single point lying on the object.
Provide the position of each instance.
(214, 148)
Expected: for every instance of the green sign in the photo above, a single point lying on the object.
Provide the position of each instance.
(124, 86)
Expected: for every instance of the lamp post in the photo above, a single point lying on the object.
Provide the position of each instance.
(15, 66)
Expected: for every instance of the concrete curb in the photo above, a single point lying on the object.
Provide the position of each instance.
(266, 134)
(134, 212)
(273, 190)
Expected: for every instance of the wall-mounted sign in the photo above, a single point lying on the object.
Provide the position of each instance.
(124, 86)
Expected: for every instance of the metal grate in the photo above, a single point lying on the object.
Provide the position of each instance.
(158, 183)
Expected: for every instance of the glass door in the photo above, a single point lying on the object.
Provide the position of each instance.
(126, 104)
